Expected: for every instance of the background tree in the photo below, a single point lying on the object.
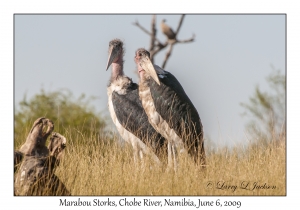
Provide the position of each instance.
(156, 45)
(268, 109)
(60, 107)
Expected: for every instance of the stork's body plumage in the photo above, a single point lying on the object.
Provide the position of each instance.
(127, 112)
(167, 30)
(170, 111)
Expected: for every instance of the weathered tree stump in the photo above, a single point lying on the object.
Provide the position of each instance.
(36, 173)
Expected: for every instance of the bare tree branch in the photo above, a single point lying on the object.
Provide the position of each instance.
(136, 23)
(168, 55)
(159, 47)
(153, 35)
(156, 45)
(153, 38)
(179, 24)
(186, 40)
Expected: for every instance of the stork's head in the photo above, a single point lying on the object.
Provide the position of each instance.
(142, 59)
(115, 51)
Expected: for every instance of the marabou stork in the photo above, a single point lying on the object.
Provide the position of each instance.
(167, 30)
(169, 110)
(126, 109)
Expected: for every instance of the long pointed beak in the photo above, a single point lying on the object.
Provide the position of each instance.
(147, 65)
(112, 55)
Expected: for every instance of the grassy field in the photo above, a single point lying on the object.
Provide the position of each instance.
(99, 165)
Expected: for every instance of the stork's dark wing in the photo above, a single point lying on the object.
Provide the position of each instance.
(175, 107)
(131, 115)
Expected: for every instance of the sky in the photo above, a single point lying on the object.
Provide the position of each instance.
(231, 54)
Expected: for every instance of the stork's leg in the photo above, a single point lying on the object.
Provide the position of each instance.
(141, 156)
(135, 153)
(170, 160)
(175, 157)
(172, 157)
(138, 155)
(147, 156)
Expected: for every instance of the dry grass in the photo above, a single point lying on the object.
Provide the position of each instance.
(100, 166)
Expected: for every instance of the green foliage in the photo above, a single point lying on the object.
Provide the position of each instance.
(268, 109)
(66, 113)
